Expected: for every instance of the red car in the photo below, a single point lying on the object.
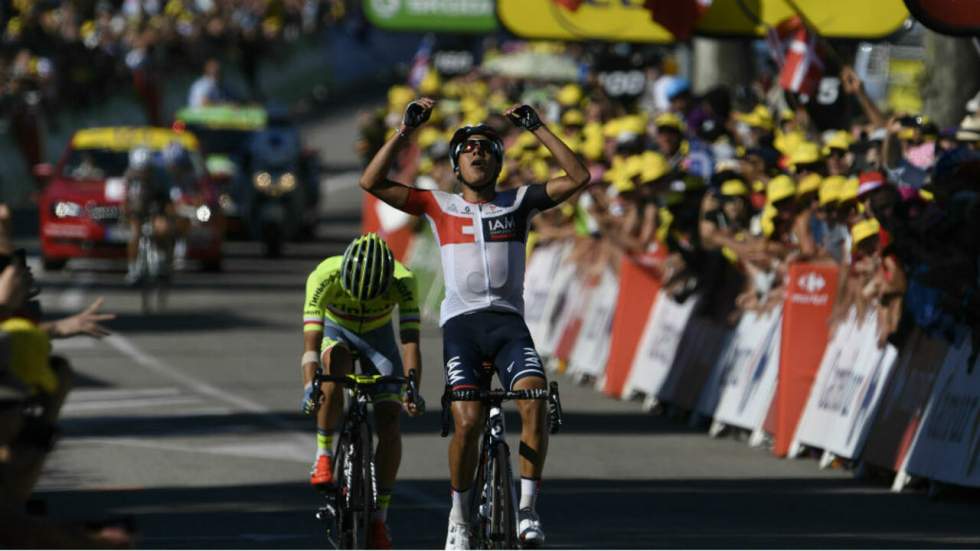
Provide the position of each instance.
(82, 201)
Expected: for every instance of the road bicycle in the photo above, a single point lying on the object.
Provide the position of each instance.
(348, 505)
(154, 266)
(494, 507)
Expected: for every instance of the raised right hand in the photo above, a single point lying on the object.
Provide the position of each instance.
(417, 112)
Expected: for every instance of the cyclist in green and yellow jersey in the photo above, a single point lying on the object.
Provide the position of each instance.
(350, 300)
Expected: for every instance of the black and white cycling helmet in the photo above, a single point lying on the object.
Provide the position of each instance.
(460, 136)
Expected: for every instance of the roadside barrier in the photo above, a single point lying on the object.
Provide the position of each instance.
(784, 375)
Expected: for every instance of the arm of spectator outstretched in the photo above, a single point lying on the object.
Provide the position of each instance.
(853, 86)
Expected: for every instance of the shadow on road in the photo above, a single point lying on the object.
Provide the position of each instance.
(429, 423)
(578, 513)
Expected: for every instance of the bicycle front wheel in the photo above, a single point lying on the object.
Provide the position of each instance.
(503, 530)
(366, 490)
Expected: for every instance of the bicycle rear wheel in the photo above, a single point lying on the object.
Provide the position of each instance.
(503, 531)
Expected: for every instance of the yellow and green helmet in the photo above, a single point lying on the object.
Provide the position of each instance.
(367, 268)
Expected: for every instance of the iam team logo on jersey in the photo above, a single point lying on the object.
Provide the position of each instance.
(501, 228)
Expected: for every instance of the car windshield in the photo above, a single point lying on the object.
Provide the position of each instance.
(99, 164)
(95, 164)
(222, 142)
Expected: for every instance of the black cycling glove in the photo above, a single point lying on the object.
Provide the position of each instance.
(526, 118)
(415, 115)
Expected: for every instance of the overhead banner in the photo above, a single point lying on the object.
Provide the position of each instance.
(473, 16)
(867, 19)
(630, 21)
(953, 17)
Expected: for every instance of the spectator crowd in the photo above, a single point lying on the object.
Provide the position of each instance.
(73, 54)
(719, 192)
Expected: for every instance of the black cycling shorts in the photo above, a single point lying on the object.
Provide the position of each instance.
(470, 339)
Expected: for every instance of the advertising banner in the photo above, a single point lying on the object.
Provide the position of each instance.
(747, 373)
(810, 295)
(631, 21)
(569, 326)
(459, 16)
(947, 447)
(848, 388)
(661, 339)
(904, 403)
(394, 226)
(638, 289)
(592, 348)
(539, 287)
(556, 311)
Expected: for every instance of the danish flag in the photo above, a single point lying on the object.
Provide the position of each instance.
(802, 67)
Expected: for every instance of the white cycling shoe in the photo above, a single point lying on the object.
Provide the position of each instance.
(529, 530)
(459, 536)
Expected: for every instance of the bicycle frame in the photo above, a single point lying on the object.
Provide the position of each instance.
(493, 507)
(348, 508)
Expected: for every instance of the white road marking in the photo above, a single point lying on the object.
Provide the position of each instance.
(84, 394)
(74, 343)
(136, 403)
(270, 449)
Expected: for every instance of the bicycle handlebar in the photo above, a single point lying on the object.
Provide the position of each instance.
(351, 382)
(498, 396)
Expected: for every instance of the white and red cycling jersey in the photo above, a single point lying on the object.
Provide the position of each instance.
(483, 246)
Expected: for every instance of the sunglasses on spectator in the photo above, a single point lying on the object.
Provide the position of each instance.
(470, 146)
(837, 153)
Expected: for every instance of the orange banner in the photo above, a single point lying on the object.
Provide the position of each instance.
(397, 234)
(638, 288)
(809, 300)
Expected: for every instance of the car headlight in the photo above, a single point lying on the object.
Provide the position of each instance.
(287, 183)
(263, 181)
(67, 209)
(203, 213)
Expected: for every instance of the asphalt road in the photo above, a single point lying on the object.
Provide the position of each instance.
(188, 420)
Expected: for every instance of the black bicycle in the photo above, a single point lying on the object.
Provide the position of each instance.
(494, 509)
(348, 505)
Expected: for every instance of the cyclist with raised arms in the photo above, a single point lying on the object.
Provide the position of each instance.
(349, 303)
(482, 239)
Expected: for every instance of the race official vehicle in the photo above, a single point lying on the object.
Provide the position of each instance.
(81, 204)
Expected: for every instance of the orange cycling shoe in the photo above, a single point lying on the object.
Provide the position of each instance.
(322, 474)
(378, 535)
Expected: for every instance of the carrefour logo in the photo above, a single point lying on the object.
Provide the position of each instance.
(812, 282)
(386, 8)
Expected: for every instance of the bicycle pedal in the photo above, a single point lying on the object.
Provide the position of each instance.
(327, 513)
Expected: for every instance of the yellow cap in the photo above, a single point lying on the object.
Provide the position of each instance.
(830, 189)
(399, 96)
(425, 165)
(786, 115)
(428, 135)
(869, 227)
(809, 184)
(734, 188)
(592, 148)
(569, 95)
(758, 186)
(767, 221)
(540, 170)
(30, 349)
(573, 117)
(837, 140)
(926, 195)
(430, 84)
(669, 120)
(452, 89)
(781, 187)
(653, 166)
(633, 124)
(907, 133)
(805, 153)
(787, 142)
(633, 166)
(849, 191)
(759, 117)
